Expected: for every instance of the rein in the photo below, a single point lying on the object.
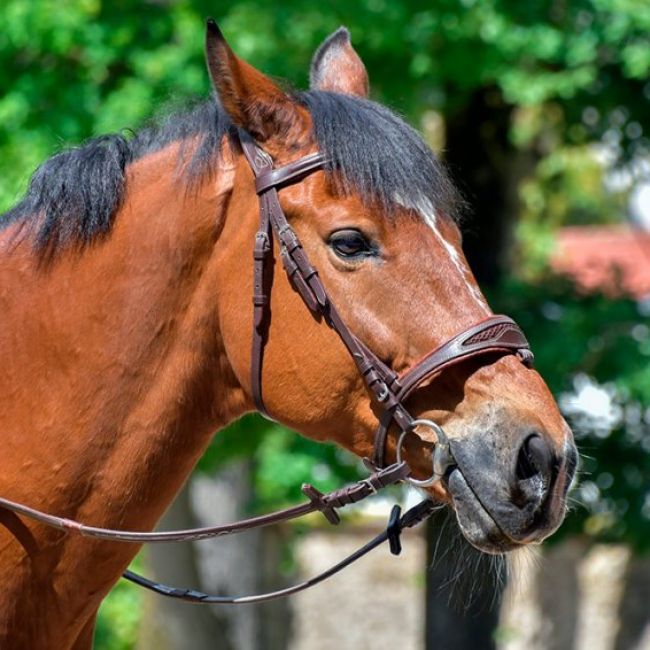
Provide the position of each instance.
(495, 334)
(396, 524)
(318, 502)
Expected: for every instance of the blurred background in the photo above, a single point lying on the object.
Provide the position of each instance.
(541, 110)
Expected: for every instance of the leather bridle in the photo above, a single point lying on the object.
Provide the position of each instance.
(495, 334)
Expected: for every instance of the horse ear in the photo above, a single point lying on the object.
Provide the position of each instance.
(251, 99)
(337, 67)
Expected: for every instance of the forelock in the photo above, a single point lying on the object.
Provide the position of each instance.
(373, 153)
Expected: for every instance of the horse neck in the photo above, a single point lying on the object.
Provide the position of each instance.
(114, 380)
(115, 376)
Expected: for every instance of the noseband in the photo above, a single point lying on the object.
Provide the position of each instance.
(495, 334)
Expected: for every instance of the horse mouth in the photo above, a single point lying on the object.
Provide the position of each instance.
(474, 519)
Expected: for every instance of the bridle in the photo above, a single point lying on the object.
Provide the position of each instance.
(495, 334)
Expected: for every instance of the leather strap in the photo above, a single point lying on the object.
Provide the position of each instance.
(260, 162)
(495, 334)
(409, 519)
(277, 178)
(300, 271)
(325, 503)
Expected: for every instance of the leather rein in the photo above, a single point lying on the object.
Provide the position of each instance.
(495, 334)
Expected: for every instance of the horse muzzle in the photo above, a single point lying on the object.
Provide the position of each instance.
(502, 504)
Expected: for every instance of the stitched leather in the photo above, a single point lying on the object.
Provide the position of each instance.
(290, 173)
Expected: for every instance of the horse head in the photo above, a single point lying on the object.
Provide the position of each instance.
(378, 224)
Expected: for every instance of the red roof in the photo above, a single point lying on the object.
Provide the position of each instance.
(612, 259)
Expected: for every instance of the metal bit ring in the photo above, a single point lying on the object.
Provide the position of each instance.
(441, 456)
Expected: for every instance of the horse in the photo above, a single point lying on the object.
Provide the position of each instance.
(126, 327)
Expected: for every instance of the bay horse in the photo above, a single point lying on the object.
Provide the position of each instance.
(126, 327)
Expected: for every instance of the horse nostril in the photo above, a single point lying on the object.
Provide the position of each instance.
(535, 458)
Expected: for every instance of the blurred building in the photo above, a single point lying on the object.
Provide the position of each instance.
(613, 259)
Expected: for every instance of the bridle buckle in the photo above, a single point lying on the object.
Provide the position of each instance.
(383, 393)
(367, 482)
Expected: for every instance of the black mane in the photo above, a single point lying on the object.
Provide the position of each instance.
(73, 196)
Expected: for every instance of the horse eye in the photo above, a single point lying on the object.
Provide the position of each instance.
(351, 244)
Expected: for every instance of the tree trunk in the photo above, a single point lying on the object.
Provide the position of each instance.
(462, 592)
(634, 631)
(487, 168)
(242, 564)
(239, 564)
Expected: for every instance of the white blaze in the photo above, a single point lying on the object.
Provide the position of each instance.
(425, 209)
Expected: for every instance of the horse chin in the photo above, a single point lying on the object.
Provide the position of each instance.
(475, 522)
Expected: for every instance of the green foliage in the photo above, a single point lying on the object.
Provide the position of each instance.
(119, 616)
(573, 333)
(88, 67)
(567, 188)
